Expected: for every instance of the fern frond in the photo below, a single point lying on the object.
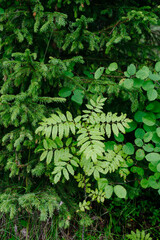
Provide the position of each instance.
(138, 235)
(90, 143)
(91, 129)
(60, 124)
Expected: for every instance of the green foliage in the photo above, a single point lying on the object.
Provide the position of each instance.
(55, 57)
(139, 235)
(71, 144)
(147, 137)
(45, 202)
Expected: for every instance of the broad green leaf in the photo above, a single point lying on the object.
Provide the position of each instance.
(155, 138)
(56, 155)
(149, 119)
(148, 85)
(56, 118)
(158, 167)
(107, 71)
(115, 129)
(128, 148)
(120, 137)
(69, 116)
(140, 171)
(113, 66)
(59, 142)
(70, 169)
(82, 141)
(109, 145)
(54, 132)
(128, 83)
(78, 96)
(153, 157)
(138, 142)
(137, 170)
(144, 183)
(57, 169)
(45, 144)
(98, 151)
(57, 177)
(126, 74)
(102, 182)
(131, 69)
(65, 92)
(93, 156)
(89, 107)
(61, 116)
(157, 149)
(48, 131)
(49, 157)
(98, 143)
(152, 167)
(149, 128)
(143, 73)
(99, 72)
(152, 94)
(96, 174)
(148, 136)
(65, 173)
(157, 175)
(137, 83)
(125, 124)
(43, 155)
(140, 154)
(108, 130)
(92, 103)
(84, 146)
(120, 191)
(154, 76)
(61, 130)
(39, 129)
(68, 142)
(157, 66)
(74, 163)
(132, 125)
(158, 131)
(108, 191)
(139, 115)
(66, 129)
(153, 183)
(72, 127)
(61, 164)
(139, 133)
(121, 128)
(97, 137)
(51, 144)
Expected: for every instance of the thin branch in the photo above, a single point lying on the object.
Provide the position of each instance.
(48, 45)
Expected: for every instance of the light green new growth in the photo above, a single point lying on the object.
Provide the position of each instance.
(70, 144)
(138, 235)
(90, 129)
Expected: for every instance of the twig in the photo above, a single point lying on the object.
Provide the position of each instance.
(48, 45)
(119, 22)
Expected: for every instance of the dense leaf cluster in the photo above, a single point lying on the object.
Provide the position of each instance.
(56, 57)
